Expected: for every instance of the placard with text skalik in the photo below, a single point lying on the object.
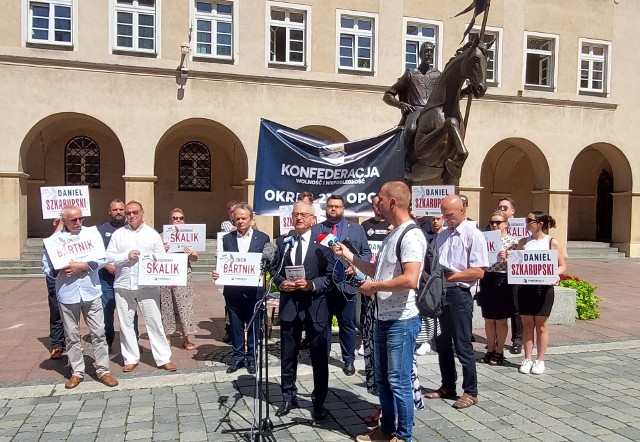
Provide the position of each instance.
(426, 200)
(54, 199)
(180, 235)
(159, 269)
(532, 267)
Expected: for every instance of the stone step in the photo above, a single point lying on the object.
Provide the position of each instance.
(595, 254)
(12, 272)
(587, 245)
(7, 263)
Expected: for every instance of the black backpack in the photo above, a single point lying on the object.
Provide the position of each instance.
(431, 295)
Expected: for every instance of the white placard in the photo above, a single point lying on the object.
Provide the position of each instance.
(426, 200)
(84, 247)
(533, 267)
(517, 228)
(163, 269)
(286, 220)
(237, 268)
(180, 235)
(54, 199)
(219, 246)
(494, 245)
(375, 246)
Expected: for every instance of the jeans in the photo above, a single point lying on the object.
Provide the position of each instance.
(109, 308)
(394, 342)
(456, 331)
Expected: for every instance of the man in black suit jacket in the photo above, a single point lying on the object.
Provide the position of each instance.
(303, 304)
(342, 299)
(241, 300)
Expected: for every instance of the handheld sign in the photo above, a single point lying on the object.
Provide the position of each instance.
(294, 272)
(426, 200)
(286, 220)
(54, 199)
(494, 245)
(163, 269)
(375, 246)
(64, 248)
(532, 267)
(180, 235)
(517, 228)
(238, 269)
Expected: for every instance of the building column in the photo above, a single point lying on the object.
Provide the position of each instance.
(13, 194)
(473, 194)
(142, 189)
(555, 202)
(625, 234)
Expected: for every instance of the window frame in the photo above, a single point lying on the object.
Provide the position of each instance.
(344, 13)
(208, 159)
(27, 22)
(606, 81)
(82, 174)
(306, 27)
(496, 49)
(554, 65)
(136, 10)
(439, 25)
(195, 16)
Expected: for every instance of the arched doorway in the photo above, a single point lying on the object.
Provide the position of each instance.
(72, 149)
(200, 165)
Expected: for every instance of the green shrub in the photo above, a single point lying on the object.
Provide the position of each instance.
(586, 300)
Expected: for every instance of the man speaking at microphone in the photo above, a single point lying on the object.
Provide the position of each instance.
(342, 298)
(303, 305)
(241, 300)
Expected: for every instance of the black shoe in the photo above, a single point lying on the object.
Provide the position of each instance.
(286, 407)
(319, 414)
(232, 368)
(349, 369)
(227, 337)
(515, 349)
(251, 368)
(304, 345)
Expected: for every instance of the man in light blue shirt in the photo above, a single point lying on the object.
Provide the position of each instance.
(78, 292)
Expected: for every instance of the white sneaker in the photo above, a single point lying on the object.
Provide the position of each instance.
(361, 350)
(526, 366)
(423, 349)
(538, 367)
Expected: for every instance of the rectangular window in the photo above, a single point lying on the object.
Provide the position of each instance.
(287, 36)
(135, 25)
(540, 61)
(50, 22)
(356, 43)
(492, 54)
(214, 29)
(415, 35)
(594, 61)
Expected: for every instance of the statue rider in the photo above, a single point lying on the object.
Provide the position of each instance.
(412, 91)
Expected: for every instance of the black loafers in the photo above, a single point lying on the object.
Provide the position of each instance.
(232, 368)
(251, 368)
(349, 369)
(319, 414)
(286, 407)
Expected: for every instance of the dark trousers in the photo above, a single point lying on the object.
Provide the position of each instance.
(456, 332)
(343, 307)
(516, 321)
(318, 333)
(56, 329)
(240, 310)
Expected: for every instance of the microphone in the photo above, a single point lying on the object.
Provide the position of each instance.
(288, 242)
(268, 255)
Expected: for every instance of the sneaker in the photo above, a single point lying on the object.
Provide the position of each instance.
(538, 367)
(423, 349)
(361, 350)
(526, 366)
(377, 435)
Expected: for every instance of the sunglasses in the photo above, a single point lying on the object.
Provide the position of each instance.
(529, 221)
(177, 218)
(496, 223)
(76, 220)
(133, 212)
(503, 208)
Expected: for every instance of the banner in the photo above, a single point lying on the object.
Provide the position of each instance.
(180, 235)
(237, 268)
(291, 162)
(426, 200)
(54, 199)
(532, 267)
(84, 247)
(286, 220)
(163, 269)
(494, 245)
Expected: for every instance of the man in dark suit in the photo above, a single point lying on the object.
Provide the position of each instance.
(303, 305)
(342, 299)
(241, 300)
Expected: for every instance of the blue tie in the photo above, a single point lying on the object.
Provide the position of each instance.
(298, 260)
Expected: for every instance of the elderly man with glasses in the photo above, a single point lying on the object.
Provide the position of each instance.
(78, 292)
(125, 247)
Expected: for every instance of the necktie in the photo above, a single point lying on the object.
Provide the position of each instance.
(334, 230)
(298, 261)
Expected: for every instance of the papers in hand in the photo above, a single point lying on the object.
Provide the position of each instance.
(294, 272)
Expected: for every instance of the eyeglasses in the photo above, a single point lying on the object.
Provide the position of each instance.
(301, 215)
(133, 212)
(331, 206)
(529, 220)
(503, 208)
(497, 223)
(76, 220)
(177, 218)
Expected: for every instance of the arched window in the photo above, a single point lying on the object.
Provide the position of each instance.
(194, 167)
(82, 162)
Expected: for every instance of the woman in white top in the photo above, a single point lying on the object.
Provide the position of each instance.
(535, 301)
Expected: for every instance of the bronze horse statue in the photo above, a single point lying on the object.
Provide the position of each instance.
(438, 147)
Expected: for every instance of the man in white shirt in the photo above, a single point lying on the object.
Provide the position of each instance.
(78, 292)
(125, 247)
(462, 250)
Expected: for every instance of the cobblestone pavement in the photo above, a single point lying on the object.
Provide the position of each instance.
(589, 393)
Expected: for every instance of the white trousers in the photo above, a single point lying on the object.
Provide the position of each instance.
(148, 299)
(94, 318)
